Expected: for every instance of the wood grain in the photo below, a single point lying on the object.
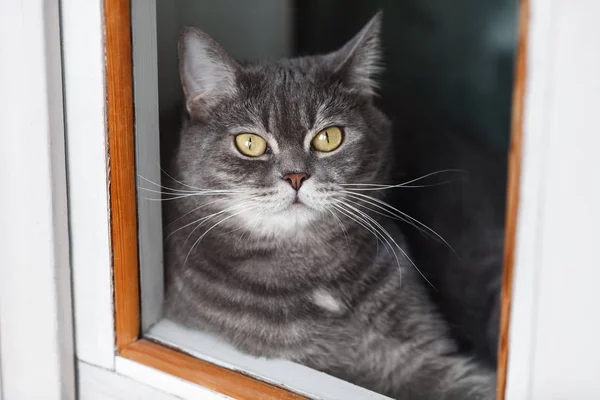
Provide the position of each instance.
(221, 380)
(120, 118)
(512, 200)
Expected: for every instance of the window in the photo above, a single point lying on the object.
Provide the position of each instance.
(46, 244)
(142, 332)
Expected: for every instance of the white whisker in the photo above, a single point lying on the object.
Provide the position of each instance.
(183, 196)
(191, 211)
(344, 231)
(204, 219)
(388, 215)
(181, 183)
(209, 229)
(383, 231)
(398, 246)
(382, 205)
(359, 220)
(373, 186)
(399, 186)
(165, 187)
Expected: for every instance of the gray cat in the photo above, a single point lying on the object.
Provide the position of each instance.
(271, 241)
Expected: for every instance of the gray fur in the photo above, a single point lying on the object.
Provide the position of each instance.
(305, 283)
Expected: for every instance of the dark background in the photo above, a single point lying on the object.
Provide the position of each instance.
(454, 57)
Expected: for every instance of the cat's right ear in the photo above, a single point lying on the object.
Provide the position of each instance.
(359, 60)
(208, 73)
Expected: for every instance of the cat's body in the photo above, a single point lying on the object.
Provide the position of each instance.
(338, 304)
(301, 268)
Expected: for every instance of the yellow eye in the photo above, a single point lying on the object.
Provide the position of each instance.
(250, 144)
(328, 139)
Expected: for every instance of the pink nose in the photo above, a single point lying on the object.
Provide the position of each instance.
(295, 179)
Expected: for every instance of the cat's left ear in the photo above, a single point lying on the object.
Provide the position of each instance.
(358, 62)
(208, 74)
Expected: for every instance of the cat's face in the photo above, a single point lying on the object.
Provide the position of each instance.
(281, 139)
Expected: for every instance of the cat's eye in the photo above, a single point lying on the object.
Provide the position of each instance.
(328, 139)
(250, 145)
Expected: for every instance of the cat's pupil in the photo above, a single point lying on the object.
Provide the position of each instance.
(326, 136)
(249, 143)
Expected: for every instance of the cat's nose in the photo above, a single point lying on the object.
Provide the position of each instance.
(295, 179)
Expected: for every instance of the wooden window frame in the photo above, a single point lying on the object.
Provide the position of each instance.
(124, 232)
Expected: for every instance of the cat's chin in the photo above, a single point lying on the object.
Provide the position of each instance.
(296, 215)
(291, 221)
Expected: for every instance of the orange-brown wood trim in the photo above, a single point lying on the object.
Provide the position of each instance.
(121, 151)
(512, 199)
(220, 380)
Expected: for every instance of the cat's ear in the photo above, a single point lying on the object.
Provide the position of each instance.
(208, 73)
(359, 60)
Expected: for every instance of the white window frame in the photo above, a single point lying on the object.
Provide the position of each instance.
(35, 284)
(553, 348)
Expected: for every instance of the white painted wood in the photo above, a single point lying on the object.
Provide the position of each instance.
(568, 324)
(162, 381)
(96, 383)
(295, 377)
(554, 349)
(83, 57)
(147, 142)
(534, 148)
(37, 358)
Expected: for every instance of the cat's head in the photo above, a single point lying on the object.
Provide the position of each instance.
(281, 139)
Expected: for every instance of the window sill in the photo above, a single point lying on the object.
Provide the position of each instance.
(294, 377)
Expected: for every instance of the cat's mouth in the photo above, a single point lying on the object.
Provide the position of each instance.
(297, 203)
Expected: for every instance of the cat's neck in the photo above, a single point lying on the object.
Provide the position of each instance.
(324, 250)
(296, 237)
